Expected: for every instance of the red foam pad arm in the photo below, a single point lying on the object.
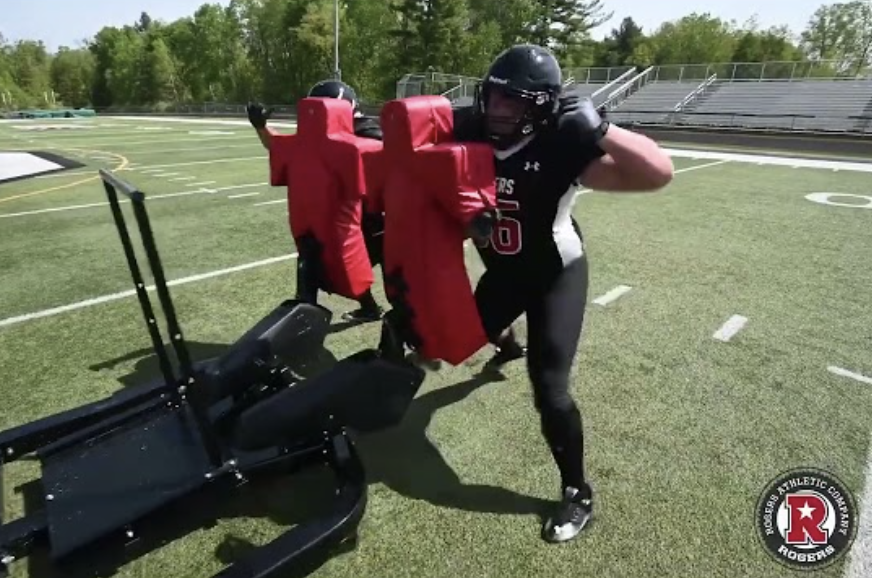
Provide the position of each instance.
(462, 177)
(374, 175)
(345, 163)
(281, 150)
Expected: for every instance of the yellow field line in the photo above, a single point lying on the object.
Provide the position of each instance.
(122, 163)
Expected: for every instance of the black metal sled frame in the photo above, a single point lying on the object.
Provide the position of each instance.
(108, 465)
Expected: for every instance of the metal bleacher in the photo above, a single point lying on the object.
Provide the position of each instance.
(653, 103)
(772, 96)
(460, 90)
(743, 96)
(835, 105)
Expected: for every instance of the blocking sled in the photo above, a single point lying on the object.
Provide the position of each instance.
(109, 466)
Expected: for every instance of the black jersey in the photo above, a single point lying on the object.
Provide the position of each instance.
(367, 127)
(537, 185)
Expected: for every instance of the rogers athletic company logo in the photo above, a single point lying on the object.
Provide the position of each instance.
(806, 519)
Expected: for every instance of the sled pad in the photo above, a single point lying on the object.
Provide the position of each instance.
(98, 486)
(362, 392)
(292, 334)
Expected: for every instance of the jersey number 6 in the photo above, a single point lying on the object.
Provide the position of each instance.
(506, 236)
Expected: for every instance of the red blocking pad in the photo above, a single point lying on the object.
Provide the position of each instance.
(430, 189)
(323, 166)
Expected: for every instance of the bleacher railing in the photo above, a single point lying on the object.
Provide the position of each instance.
(793, 123)
(598, 75)
(751, 71)
(627, 89)
(416, 84)
(697, 92)
(729, 71)
(606, 88)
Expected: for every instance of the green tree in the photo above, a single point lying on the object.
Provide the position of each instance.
(433, 34)
(72, 72)
(159, 74)
(368, 55)
(12, 95)
(31, 70)
(842, 33)
(508, 22)
(565, 24)
(619, 47)
(696, 38)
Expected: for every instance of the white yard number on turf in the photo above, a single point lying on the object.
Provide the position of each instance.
(824, 199)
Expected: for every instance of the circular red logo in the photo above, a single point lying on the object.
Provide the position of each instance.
(806, 519)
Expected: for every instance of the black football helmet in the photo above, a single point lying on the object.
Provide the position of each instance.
(529, 77)
(337, 89)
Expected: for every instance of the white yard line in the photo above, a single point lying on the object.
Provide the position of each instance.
(849, 374)
(130, 293)
(177, 179)
(241, 122)
(702, 166)
(243, 195)
(860, 558)
(770, 160)
(148, 198)
(66, 174)
(93, 141)
(192, 163)
(276, 202)
(677, 172)
(253, 145)
(729, 329)
(612, 295)
(184, 137)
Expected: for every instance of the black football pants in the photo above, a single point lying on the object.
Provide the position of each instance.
(309, 272)
(555, 313)
(373, 227)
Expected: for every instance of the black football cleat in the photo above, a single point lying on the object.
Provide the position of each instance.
(419, 360)
(506, 354)
(569, 518)
(364, 315)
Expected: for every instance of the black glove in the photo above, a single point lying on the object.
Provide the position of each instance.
(482, 225)
(578, 114)
(257, 114)
(368, 127)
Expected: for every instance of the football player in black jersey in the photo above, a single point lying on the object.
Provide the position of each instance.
(372, 223)
(547, 142)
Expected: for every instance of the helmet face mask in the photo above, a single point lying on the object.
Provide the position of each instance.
(519, 95)
(511, 116)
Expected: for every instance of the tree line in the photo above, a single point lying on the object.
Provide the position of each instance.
(274, 50)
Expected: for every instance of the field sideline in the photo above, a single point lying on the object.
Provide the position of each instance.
(727, 340)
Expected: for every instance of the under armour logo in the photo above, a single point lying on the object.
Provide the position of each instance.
(532, 166)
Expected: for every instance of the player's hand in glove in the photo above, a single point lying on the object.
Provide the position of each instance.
(258, 114)
(578, 115)
(482, 225)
